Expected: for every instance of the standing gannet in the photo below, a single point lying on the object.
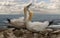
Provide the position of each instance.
(36, 26)
(19, 22)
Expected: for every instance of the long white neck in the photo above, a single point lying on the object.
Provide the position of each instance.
(26, 15)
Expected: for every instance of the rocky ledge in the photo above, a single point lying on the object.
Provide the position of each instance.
(24, 33)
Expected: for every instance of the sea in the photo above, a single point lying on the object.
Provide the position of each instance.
(36, 17)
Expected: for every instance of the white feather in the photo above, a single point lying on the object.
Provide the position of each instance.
(18, 22)
(37, 26)
(54, 26)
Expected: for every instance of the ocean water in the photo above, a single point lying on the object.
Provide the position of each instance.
(36, 17)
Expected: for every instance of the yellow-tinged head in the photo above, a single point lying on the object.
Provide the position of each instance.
(26, 8)
(30, 15)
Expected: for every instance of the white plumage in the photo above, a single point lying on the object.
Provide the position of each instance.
(37, 26)
(18, 22)
(54, 26)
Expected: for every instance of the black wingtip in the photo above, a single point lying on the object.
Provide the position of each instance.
(8, 20)
(51, 22)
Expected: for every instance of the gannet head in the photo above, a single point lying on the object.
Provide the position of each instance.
(27, 7)
(26, 10)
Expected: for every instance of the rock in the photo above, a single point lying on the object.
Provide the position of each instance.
(24, 33)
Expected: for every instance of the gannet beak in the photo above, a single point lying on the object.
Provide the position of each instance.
(29, 5)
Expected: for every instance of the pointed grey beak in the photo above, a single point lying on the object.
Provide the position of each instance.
(29, 5)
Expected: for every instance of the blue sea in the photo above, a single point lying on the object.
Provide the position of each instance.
(36, 17)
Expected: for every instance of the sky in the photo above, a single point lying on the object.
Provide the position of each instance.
(40, 6)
